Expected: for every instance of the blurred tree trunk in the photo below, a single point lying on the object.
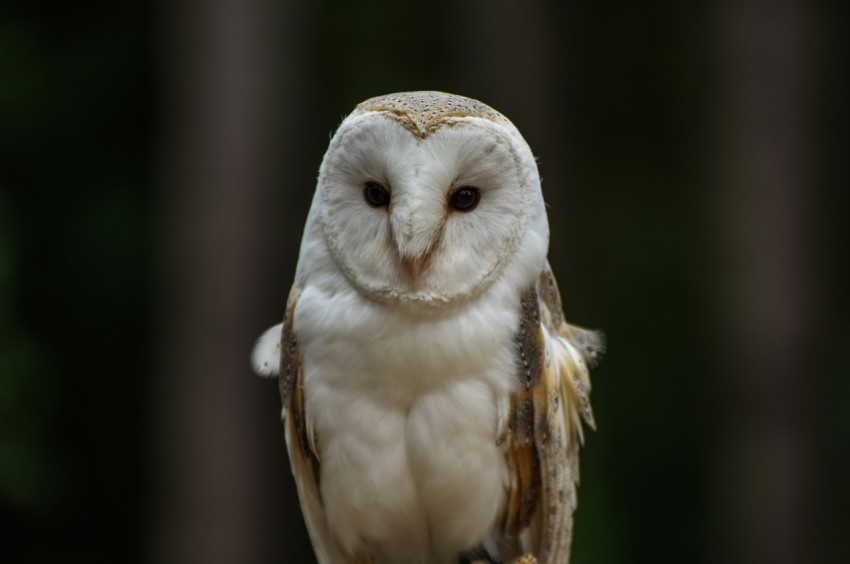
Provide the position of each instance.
(218, 462)
(768, 284)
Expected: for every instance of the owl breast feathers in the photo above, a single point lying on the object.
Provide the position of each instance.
(433, 394)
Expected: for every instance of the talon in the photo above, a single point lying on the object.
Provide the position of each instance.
(526, 559)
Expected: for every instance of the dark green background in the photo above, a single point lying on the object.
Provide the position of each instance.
(156, 165)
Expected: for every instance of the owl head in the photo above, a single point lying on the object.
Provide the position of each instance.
(427, 199)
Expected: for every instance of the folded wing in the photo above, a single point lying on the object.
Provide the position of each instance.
(277, 354)
(541, 424)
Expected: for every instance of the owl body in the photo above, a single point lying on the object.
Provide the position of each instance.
(433, 393)
(406, 416)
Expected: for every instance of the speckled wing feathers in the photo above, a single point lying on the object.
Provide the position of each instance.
(543, 426)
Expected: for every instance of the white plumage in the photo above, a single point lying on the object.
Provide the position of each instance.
(432, 391)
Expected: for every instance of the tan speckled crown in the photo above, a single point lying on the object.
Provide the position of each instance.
(422, 113)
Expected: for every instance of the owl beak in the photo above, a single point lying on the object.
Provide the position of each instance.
(414, 266)
(414, 263)
(416, 231)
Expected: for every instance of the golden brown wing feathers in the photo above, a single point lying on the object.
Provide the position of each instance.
(544, 424)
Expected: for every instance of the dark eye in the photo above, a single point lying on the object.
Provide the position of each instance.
(376, 194)
(465, 198)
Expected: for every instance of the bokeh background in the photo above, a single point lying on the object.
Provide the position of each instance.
(156, 164)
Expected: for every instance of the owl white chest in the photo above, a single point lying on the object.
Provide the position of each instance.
(404, 410)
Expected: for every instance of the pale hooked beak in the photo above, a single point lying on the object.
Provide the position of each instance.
(415, 252)
(414, 266)
(416, 231)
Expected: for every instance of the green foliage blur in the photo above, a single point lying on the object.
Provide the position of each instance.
(76, 132)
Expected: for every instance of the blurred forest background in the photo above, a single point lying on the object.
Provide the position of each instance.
(156, 165)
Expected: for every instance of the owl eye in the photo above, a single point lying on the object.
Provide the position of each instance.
(465, 198)
(376, 194)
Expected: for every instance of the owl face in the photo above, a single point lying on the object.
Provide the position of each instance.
(426, 206)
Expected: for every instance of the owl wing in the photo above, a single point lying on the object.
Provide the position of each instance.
(276, 354)
(540, 426)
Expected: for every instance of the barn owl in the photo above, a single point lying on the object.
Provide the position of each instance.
(433, 394)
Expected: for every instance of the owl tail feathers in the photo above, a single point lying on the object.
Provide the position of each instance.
(265, 358)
